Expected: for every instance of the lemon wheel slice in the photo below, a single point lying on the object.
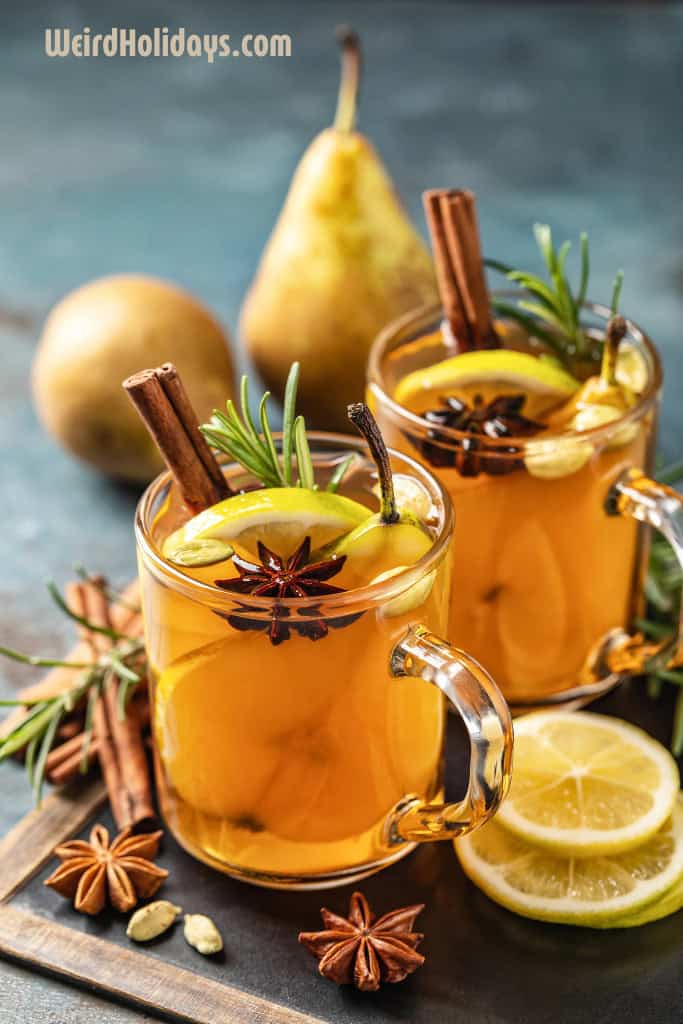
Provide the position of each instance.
(586, 784)
(492, 373)
(670, 902)
(615, 891)
(280, 517)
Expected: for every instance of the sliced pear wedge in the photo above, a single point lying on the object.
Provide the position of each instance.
(375, 547)
(411, 598)
(411, 497)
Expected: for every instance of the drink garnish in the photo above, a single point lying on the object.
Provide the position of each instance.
(196, 553)
(237, 436)
(388, 538)
(366, 424)
(363, 951)
(493, 394)
(452, 220)
(604, 392)
(163, 404)
(491, 373)
(499, 418)
(502, 417)
(279, 516)
(603, 397)
(552, 311)
(282, 578)
(600, 400)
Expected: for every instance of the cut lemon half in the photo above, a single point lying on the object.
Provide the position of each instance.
(280, 517)
(613, 891)
(585, 784)
(489, 374)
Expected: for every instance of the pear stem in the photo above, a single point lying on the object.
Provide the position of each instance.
(614, 335)
(345, 116)
(365, 424)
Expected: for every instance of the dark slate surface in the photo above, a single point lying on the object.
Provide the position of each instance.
(177, 167)
(484, 965)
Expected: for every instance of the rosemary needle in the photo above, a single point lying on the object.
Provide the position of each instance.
(37, 730)
(549, 309)
(236, 435)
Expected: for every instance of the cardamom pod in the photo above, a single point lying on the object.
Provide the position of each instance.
(152, 920)
(202, 934)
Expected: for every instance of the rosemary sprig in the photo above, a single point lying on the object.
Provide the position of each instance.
(552, 312)
(37, 731)
(63, 606)
(235, 434)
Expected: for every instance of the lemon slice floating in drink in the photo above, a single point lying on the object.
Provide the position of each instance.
(587, 785)
(278, 516)
(491, 373)
(608, 891)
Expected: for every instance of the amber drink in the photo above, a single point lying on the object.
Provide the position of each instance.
(544, 571)
(299, 741)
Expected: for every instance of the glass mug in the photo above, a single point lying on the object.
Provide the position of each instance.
(549, 566)
(309, 764)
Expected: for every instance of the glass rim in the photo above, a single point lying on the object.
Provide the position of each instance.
(434, 311)
(327, 606)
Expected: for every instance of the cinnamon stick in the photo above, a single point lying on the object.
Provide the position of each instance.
(162, 402)
(64, 761)
(452, 219)
(120, 748)
(445, 272)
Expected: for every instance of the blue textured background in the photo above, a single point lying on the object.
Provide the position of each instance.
(178, 167)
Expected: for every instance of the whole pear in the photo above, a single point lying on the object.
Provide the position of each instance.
(102, 332)
(342, 262)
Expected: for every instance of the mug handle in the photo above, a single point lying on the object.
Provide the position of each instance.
(659, 506)
(473, 694)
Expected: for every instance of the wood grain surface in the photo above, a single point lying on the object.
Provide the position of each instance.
(125, 974)
(130, 975)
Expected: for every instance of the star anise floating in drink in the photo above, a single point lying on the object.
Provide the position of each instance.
(95, 873)
(500, 418)
(282, 578)
(365, 951)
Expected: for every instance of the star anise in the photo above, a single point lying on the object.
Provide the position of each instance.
(282, 578)
(501, 417)
(362, 951)
(92, 871)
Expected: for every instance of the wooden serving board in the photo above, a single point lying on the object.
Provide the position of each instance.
(484, 965)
